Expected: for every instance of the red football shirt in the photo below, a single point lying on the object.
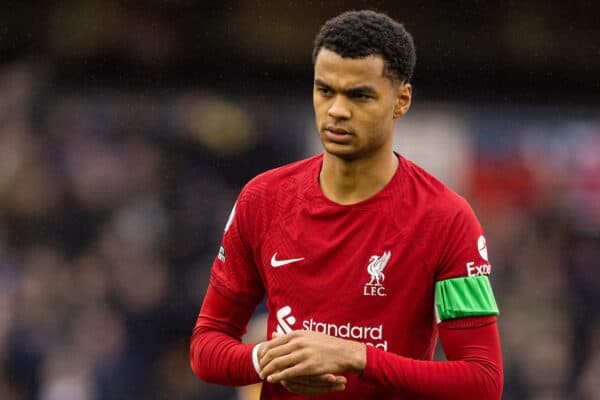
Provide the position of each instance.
(364, 272)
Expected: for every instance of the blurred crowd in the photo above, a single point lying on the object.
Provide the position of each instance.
(111, 208)
(112, 205)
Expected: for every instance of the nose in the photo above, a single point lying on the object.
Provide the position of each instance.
(339, 108)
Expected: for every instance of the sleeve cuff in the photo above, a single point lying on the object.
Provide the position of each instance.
(369, 374)
(255, 362)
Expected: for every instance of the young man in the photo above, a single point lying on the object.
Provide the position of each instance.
(364, 257)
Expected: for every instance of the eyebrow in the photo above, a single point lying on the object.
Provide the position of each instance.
(363, 89)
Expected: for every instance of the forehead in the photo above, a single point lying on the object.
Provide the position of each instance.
(347, 72)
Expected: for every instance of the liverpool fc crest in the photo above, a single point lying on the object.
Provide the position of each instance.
(375, 268)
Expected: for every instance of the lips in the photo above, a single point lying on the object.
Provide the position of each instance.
(340, 131)
(337, 135)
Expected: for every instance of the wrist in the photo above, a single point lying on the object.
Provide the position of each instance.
(357, 358)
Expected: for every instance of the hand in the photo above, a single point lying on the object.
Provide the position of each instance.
(308, 354)
(315, 385)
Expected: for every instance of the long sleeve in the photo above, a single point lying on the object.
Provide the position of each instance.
(217, 354)
(473, 370)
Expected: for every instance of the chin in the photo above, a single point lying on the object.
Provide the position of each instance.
(344, 152)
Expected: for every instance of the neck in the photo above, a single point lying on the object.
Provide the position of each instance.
(351, 181)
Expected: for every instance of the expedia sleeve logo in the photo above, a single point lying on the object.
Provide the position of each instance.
(482, 247)
(473, 269)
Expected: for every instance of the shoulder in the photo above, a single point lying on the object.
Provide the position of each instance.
(275, 185)
(272, 194)
(430, 193)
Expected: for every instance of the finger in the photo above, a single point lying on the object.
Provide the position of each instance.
(293, 369)
(310, 390)
(323, 379)
(319, 380)
(274, 343)
(275, 353)
(283, 362)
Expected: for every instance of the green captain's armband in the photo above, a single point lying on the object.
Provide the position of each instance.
(464, 297)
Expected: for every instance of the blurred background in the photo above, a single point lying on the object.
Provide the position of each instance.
(127, 129)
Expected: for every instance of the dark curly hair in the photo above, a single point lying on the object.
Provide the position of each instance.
(358, 34)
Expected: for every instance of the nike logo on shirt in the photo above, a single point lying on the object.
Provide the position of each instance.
(275, 263)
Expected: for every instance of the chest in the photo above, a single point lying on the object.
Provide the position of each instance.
(346, 262)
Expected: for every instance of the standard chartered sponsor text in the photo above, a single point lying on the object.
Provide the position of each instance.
(369, 335)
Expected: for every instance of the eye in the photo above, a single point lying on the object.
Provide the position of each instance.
(361, 96)
(325, 91)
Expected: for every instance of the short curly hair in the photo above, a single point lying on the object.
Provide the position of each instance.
(359, 34)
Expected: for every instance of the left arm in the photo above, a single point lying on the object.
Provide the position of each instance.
(473, 370)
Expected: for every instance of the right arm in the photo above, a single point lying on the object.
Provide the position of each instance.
(217, 354)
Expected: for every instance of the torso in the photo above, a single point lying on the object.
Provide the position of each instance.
(363, 272)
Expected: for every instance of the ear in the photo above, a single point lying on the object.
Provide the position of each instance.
(403, 99)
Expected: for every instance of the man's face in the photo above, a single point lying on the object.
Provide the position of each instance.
(355, 105)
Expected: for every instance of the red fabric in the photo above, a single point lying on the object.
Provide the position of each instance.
(216, 352)
(473, 370)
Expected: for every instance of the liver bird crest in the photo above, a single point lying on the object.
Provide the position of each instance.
(376, 266)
